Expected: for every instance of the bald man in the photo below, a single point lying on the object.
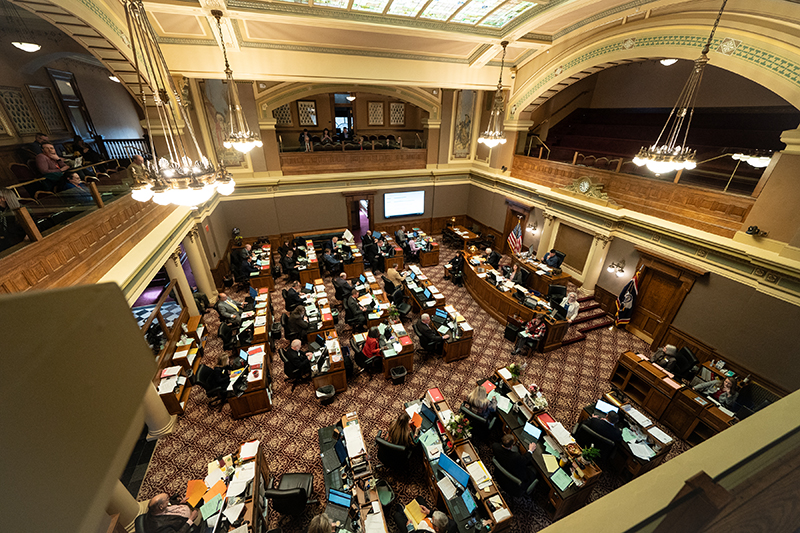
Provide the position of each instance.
(163, 517)
(298, 361)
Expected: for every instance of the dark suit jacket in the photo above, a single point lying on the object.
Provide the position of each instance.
(343, 288)
(238, 257)
(400, 237)
(165, 524)
(288, 263)
(428, 333)
(246, 269)
(292, 299)
(298, 327)
(352, 305)
(514, 462)
(604, 428)
(493, 259)
(298, 361)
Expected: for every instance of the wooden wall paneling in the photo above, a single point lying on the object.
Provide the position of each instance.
(713, 211)
(486, 230)
(297, 163)
(606, 299)
(575, 244)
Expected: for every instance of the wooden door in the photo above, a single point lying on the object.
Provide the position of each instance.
(515, 213)
(654, 303)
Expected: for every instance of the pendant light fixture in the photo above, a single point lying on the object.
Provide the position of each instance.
(494, 133)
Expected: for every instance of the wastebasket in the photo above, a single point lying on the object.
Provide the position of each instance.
(325, 394)
(398, 374)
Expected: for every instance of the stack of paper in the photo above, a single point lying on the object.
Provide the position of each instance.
(354, 440)
(660, 435)
(520, 390)
(504, 404)
(504, 373)
(561, 435)
(447, 488)
(641, 450)
(479, 474)
(167, 385)
(249, 450)
(170, 371)
(638, 417)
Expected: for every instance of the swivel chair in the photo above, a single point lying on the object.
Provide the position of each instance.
(216, 395)
(291, 495)
(426, 348)
(511, 484)
(392, 455)
(586, 436)
(686, 363)
(139, 523)
(372, 364)
(556, 293)
(293, 375)
(481, 426)
(388, 285)
(398, 299)
(561, 255)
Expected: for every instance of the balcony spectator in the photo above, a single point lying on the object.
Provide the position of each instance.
(136, 169)
(77, 189)
(51, 166)
(81, 149)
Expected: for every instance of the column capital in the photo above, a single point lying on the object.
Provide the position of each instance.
(193, 234)
(549, 217)
(605, 239)
(792, 140)
(175, 257)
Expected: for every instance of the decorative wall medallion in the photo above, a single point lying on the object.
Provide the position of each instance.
(559, 70)
(629, 43)
(759, 272)
(772, 278)
(728, 46)
(656, 237)
(701, 253)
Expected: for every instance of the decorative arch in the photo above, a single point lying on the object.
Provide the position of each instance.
(289, 92)
(768, 62)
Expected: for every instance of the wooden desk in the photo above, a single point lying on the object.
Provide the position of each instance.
(185, 356)
(694, 418)
(257, 398)
(455, 349)
(645, 383)
(311, 270)
(536, 282)
(356, 267)
(466, 236)
(264, 278)
(500, 305)
(336, 373)
(398, 256)
(421, 280)
(430, 258)
(325, 313)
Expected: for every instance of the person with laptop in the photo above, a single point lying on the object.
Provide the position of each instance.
(429, 334)
(571, 306)
(394, 276)
(535, 330)
(508, 456)
(606, 426)
(357, 311)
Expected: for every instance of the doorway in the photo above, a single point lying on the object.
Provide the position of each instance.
(363, 217)
(360, 213)
(343, 113)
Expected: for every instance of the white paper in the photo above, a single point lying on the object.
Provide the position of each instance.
(236, 487)
(232, 513)
(376, 506)
(642, 451)
(411, 409)
(501, 514)
(477, 472)
(167, 385)
(245, 472)
(520, 390)
(560, 433)
(354, 440)
(639, 417)
(170, 371)
(374, 523)
(447, 488)
(240, 529)
(212, 478)
(446, 415)
(249, 449)
(504, 373)
(660, 435)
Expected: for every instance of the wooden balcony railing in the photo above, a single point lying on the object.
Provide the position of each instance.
(294, 163)
(715, 212)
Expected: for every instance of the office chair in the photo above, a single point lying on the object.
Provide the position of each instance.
(426, 347)
(481, 426)
(511, 484)
(291, 495)
(398, 299)
(216, 395)
(586, 436)
(561, 256)
(139, 523)
(293, 375)
(388, 286)
(392, 455)
(372, 365)
(685, 365)
(230, 339)
(556, 293)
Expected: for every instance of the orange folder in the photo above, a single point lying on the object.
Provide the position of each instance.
(218, 488)
(194, 491)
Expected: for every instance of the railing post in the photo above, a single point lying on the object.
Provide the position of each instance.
(24, 219)
(95, 194)
(619, 164)
(575, 158)
(98, 139)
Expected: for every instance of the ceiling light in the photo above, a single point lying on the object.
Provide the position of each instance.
(114, 79)
(753, 160)
(673, 154)
(494, 133)
(668, 62)
(350, 97)
(27, 47)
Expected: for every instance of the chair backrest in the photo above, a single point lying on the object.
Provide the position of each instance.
(561, 256)
(424, 344)
(586, 436)
(479, 423)
(388, 285)
(139, 523)
(685, 362)
(288, 501)
(288, 370)
(398, 296)
(392, 455)
(558, 292)
(508, 481)
(22, 172)
(203, 376)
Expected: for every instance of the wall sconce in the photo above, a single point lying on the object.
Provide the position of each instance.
(532, 229)
(756, 232)
(618, 268)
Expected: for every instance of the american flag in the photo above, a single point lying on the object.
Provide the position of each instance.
(515, 238)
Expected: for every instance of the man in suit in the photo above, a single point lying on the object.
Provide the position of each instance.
(373, 256)
(332, 245)
(342, 286)
(607, 426)
(665, 357)
(400, 236)
(492, 258)
(519, 465)
(551, 259)
(163, 517)
(293, 298)
(298, 361)
(247, 268)
(432, 338)
(357, 312)
(333, 264)
(229, 309)
(289, 264)
(394, 276)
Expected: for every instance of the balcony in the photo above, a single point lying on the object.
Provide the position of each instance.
(331, 161)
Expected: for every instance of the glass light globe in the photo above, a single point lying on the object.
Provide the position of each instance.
(225, 189)
(142, 195)
(163, 198)
(27, 47)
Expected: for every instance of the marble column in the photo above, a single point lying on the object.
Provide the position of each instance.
(595, 263)
(202, 273)
(120, 501)
(159, 421)
(432, 128)
(175, 271)
(547, 234)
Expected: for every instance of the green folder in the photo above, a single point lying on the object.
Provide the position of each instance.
(561, 479)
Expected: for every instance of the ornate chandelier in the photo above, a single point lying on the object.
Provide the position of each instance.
(239, 136)
(673, 154)
(174, 177)
(494, 133)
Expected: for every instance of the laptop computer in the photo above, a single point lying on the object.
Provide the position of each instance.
(602, 408)
(559, 313)
(335, 457)
(530, 433)
(338, 507)
(308, 289)
(427, 294)
(317, 343)
(463, 506)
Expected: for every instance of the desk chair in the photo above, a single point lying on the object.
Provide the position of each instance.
(561, 256)
(481, 426)
(426, 348)
(139, 522)
(685, 364)
(216, 395)
(388, 286)
(373, 364)
(351, 321)
(398, 299)
(586, 436)
(511, 484)
(291, 495)
(486, 242)
(293, 376)
(392, 455)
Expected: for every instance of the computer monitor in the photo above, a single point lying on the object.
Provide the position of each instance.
(605, 407)
(339, 498)
(520, 296)
(309, 287)
(412, 276)
(377, 235)
(362, 278)
(414, 234)
(559, 313)
(320, 339)
(441, 312)
(532, 430)
(427, 294)
(458, 474)
(387, 334)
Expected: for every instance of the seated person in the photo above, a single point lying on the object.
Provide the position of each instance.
(165, 517)
(723, 391)
(332, 245)
(283, 248)
(478, 403)
(346, 134)
(441, 522)
(491, 257)
(298, 361)
(571, 306)
(400, 236)
(551, 259)
(289, 265)
(201, 300)
(297, 325)
(240, 255)
(357, 312)
(333, 264)
(414, 249)
(371, 255)
(606, 426)
(85, 151)
(235, 363)
(394, 276)
(386, 248)
(39, 140)
(247, 267)
(456, 265)
(401, 431)
(372, 346)
(536, 328)
(326, 136)
(293, 298)
(507, 454)
(665, 357)
(220, 376)
(431, 337)
(50, 166)
(135, 171)
(322, 523)
(342, 286)
(227, 332)
(230, 309)
(77, 189)
(516, 274)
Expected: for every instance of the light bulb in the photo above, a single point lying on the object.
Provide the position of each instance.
(142, 195)
(27, 47)
(668, 62)
(114, 79)
(225, 189)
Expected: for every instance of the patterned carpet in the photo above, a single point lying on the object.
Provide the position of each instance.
(572, 377)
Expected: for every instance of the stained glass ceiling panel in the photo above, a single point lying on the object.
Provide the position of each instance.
(373, 6)
(506, 13)
(441, 9)
(406, 8)
(331, 3)
(475, 11)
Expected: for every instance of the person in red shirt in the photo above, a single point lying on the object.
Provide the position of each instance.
(372, 346)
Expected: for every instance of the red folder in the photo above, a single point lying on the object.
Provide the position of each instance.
(545, 418)
(488, 385)
(326, 317)
(436, 395)
(264, 290)
(405, 341)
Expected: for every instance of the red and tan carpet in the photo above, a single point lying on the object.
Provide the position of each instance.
(572, 377)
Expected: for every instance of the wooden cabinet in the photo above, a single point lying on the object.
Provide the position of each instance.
(643, 382)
